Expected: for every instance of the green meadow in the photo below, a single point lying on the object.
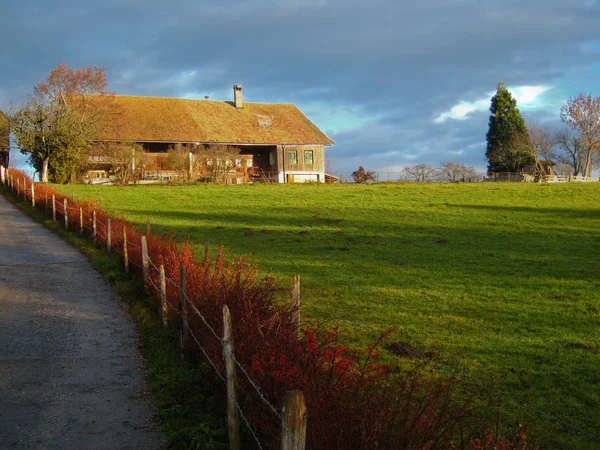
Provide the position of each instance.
(500, 282)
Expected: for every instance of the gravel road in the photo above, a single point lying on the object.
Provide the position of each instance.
(71, 376)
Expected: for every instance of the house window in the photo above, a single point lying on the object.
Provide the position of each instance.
(308, 157)
(272, 158)
(292, 157)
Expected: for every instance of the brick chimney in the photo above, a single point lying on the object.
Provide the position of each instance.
(237, 96)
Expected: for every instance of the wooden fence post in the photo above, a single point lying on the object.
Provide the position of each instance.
(24, 188)
(183, 306)
(163, 296)
(66, 214)
(73, 196)
(145, 262)
(295, 293)
(81, 220)
(108, 236)
(32, 194)
(206, 251)
(125, 251)
(233, 419)
(147, 228)
(18, 186)
(294, 417)
(94, 229)
(53, 207)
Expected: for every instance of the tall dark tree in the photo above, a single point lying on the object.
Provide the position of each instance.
(506, 130)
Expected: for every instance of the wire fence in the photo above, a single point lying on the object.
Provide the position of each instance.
(436, 176)
(100, 230)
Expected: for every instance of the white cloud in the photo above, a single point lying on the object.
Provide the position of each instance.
(527, 96)
(462, 110)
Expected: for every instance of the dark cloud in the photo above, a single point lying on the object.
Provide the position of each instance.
(396, 65)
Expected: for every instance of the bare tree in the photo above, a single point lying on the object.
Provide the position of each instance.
(219, 161)
(572, 151)
(456, 171)
(542, 142)
(125, 160)
(419, 172)
(178, 159)
(582, 114)
(363, 176)
(542, 145)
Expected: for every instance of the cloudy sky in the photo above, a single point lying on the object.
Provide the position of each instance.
(392, 82)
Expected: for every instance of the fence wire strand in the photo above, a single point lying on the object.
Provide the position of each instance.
(133, 244)
(135, 264)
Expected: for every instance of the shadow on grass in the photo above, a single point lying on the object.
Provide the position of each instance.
(498, 253)
(564, 213)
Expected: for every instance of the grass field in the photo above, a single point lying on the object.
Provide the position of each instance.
(501, 278)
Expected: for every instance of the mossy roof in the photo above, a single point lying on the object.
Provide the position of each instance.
(166, 119)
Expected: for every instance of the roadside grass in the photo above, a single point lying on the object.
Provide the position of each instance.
(499, 281)
(190, 409)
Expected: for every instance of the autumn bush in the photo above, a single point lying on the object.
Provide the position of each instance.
(352, 403)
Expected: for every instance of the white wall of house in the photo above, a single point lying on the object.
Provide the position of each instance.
(301, 177)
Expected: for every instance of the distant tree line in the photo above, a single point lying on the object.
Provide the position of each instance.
(447, 172)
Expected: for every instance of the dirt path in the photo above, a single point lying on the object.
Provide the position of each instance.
(70, 373)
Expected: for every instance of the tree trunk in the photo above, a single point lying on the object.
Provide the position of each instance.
(44, 174)
(588, 164)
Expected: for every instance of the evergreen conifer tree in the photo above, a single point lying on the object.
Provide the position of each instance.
(507, 134)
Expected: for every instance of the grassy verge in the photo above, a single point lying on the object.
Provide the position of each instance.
(499, 278)
(190, 410)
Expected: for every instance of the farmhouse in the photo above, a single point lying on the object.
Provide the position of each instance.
(276, 141)
(4, 140)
